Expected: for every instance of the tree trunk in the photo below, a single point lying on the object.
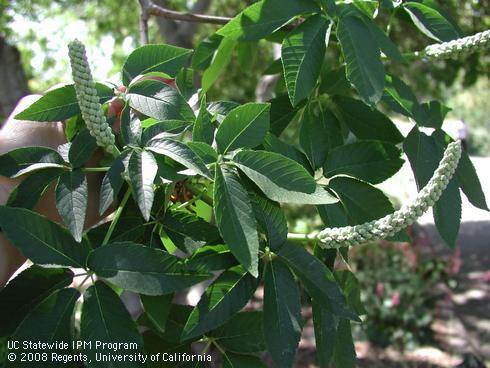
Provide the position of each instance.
(13, 82)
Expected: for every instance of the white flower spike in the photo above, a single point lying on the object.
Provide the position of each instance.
(397, 221)
(87, 97)
(460, 46)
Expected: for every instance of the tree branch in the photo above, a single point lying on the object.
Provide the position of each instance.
(152, 9)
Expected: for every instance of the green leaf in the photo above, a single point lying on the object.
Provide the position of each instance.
(179, 152)
(352, 290)
(205, 50)
(218, 64)
(431, 21)
(274, 144)
(157, 309)
(424, 155)
(142, 169)
(366, 123)
(60, 104)
(188, 224)
(317, 279)
(71, 201)
(105, 319)
(277, 176)
(30, 189)
(320, 132)
(154, 58)
(112, 183)
(303, 51)
(272, 219)
(171, 128)
(244, 127)
(282, 113)
(435, 113)
(264, 17)
(344, 355)
(372, 161)
(26, 290)
(244, 333)
(364, 68)
(158, 100)
(211, 258)
(465, 174)
(334, 82)
(131, 129)
(82, 148)
(282, 313)
(185, 83)
(219, 109)
(225, 297)
(242, 361)
(235, 219)
(402, 99)
(42, 241)
(203, 130)
(247, 55)
(204, 151)
(142, 269)
(49, 323)
(384, 42)
(325, 323)
(362, 201)
(24, 160)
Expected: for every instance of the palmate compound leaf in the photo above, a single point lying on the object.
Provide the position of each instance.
(60, 104)
(142, 269)
(105, 320)
(235, 219)
(432, 21)
(112, 183)
(264, 17)
(142, 169)
(24, 160)
(244, 333)
(320, 132)
(369, 160)
(317, 279)
(41, 240)
(303, 51)
(280, 178)
(225, 297)
(155, 58)
(243, 127)
(157, 100)
(49, 322)
(361, 52)
(180, 153)
(72, 200)
(26, 290)
(282, 313)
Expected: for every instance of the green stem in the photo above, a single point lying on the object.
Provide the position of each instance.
(198, 192)
(116, 217)
(95, 169)
(302, 237)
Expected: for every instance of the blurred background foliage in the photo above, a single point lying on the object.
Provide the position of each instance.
(40, 29)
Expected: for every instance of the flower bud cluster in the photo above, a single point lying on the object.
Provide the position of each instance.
(397, 221)
(458, 47)
(87, 97)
